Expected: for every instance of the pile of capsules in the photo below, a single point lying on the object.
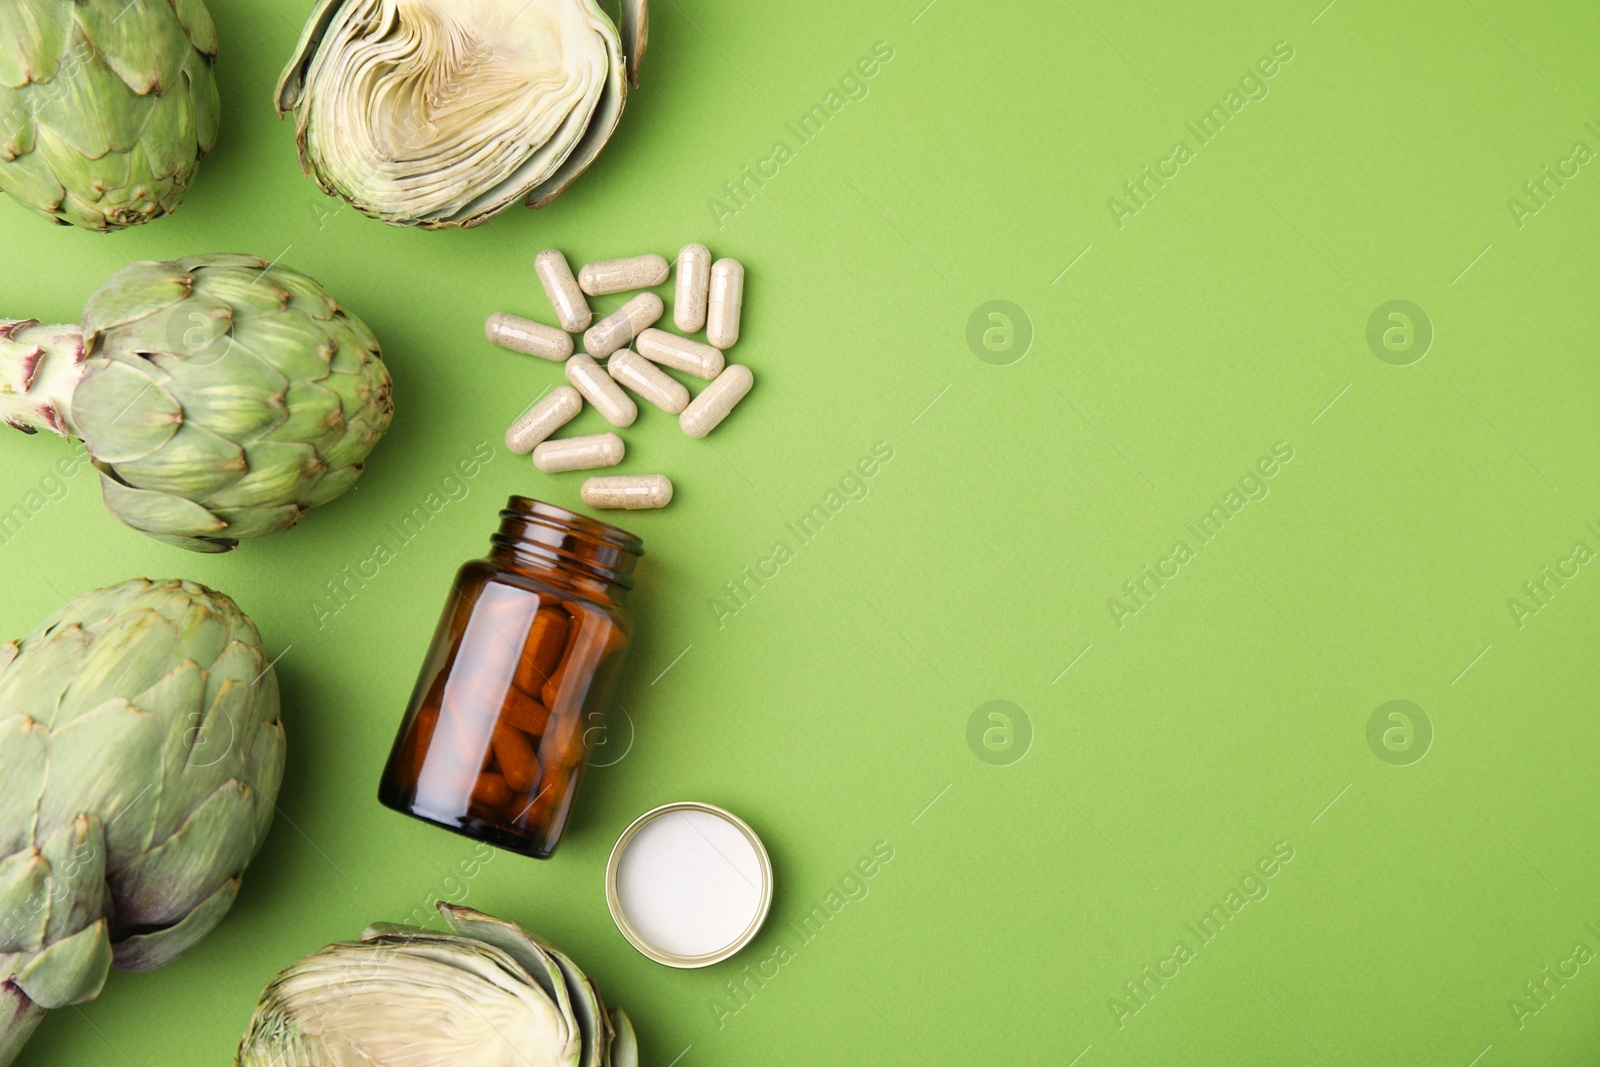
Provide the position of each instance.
(707, 295)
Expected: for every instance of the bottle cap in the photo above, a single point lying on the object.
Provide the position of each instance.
(689, 884)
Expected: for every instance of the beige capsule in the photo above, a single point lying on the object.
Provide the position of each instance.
(615, 406)
(579, 453)
(690, 294)
(634, 492)
(716, 400)
(572, 311)
(620, 275)
(726, 302)
(622, 325)
(528, 337)
(543, 419)
(680, 353)
(650, 382)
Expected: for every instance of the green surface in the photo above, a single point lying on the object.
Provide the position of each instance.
(1173, 747)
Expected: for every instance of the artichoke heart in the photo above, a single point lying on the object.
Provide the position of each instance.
(484, 995)
(439, 113)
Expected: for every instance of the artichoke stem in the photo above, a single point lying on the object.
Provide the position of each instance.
(19, 1018)
(40, 366)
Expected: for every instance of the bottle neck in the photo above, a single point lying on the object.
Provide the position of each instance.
(553, 544)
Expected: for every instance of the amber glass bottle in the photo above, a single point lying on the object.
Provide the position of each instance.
(521, 670)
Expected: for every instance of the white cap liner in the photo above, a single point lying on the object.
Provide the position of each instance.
(689, 884)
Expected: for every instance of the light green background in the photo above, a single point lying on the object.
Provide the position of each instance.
(1228, 715)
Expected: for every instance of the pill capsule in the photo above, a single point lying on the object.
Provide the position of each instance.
(630, 491)
(646, 379)
(528, 337)
(689, 296)
(680, 353)
(615, 406)
(572, 311)
(543, 419)
(579, 453)
(622, 325)
(518, 761)
(716, 400)
(620, 275)
(491, 790)
(726, 302)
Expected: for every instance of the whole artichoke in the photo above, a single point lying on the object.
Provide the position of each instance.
(140, 756)
(219, 397)
(106, 106)
(440, 113)
(486, 995)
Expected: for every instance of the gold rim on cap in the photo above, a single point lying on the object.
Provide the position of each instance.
(673, 959)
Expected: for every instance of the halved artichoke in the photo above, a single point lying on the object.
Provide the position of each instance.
(439, 113)
(486, 995)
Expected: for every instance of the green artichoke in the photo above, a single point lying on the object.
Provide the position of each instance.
(440, 113)
(106, 106)
(140, 756)
(486, 995)
(219, 397)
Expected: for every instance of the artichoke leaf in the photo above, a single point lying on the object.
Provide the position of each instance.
(509, 938)
(71, 971)
(25, 891)
(127, 655)
(76, 857)
(168, 145)
(625, 1050)
(340, 480)
(30, 180)
(306, 297)
(152, 512)
(149, 950)
(607, 113)
(165, 883)
(197, 24)
(133, 293)
(635, 35)
(91, 110)
(33, 40)
(85, 174)
(249, 293)
(292, 82)
(264, 772)
(193, 544)
(141, 42)
(122, 413)
(276, 468)
(114, 752)
(297, 348)
(245, 523)
(195, 463)
(32, 687)
(236, 395)
(201, 85)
